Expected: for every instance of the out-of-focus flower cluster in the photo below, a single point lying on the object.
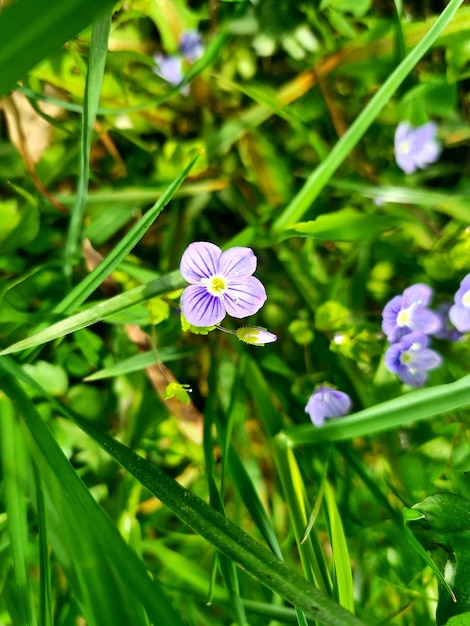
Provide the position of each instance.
(170, 68)
(326, 402)
(408, 324)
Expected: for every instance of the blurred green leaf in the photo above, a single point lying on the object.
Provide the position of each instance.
(43, 29)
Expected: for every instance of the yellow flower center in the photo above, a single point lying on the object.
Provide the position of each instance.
(216, 285)
(403, 317)
(404, 147)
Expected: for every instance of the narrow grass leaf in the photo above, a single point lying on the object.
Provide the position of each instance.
(342, 566)
(96, 65)
(45, 591)
(101, 311)
(401, 411)
(322, 174)
(14, 469)
(310, 552)
(140, 362)
(210, 524)
(343, 225)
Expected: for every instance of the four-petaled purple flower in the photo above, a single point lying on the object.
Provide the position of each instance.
(410, 359)
(327, 402)
(409, 312)
(191, 46)
(460, 312)
(221, 283)
(416, 148)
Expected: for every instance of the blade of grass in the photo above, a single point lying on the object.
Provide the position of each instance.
(322, 174)
(140, 362)
(112, 582)
(101, 311)
(31, 30)
(310, 552)
(210, 524)
(45, 592)
(14, 469)
(401, 411)
(96, 65)
(88, 285)
(342, 573)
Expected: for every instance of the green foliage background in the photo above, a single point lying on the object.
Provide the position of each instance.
(226, 505)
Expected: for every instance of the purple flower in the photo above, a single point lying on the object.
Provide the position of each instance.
(410, 359)
(460, 312)
(447, 331)
(170, 69)
(416, 148)
(221, 283)
(327, 402)
(408, 312)
(191, 46)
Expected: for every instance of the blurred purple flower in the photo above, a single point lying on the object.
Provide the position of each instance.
(170, 68)
(327, 402)
(221, 283)
(416, 148)
(191, 46)
(255, 335)
(410, 359)
(447, 331)
(409, 312)
(460, 312)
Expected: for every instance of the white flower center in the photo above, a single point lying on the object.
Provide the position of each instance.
(466, 299)
(403, 317)
(216, 285)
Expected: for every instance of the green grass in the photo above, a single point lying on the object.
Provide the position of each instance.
(228, 506)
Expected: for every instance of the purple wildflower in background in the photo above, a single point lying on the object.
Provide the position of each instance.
(221, 283)
(460, 311)
(410, 359)
(327, 402)
(408, 312)
(191, 46)
(416, 148)
(170, 68)
(447, 331)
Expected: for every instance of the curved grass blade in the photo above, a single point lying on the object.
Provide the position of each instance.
(322, 174)
(139, 362)
(97, 61)
(101, 311)
(31, 30)
(402, 411)
(202, 518)
(109, 579)
(88, 285)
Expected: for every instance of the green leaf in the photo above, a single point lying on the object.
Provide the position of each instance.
(96, 64)
(343, 225)
(31, 30)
